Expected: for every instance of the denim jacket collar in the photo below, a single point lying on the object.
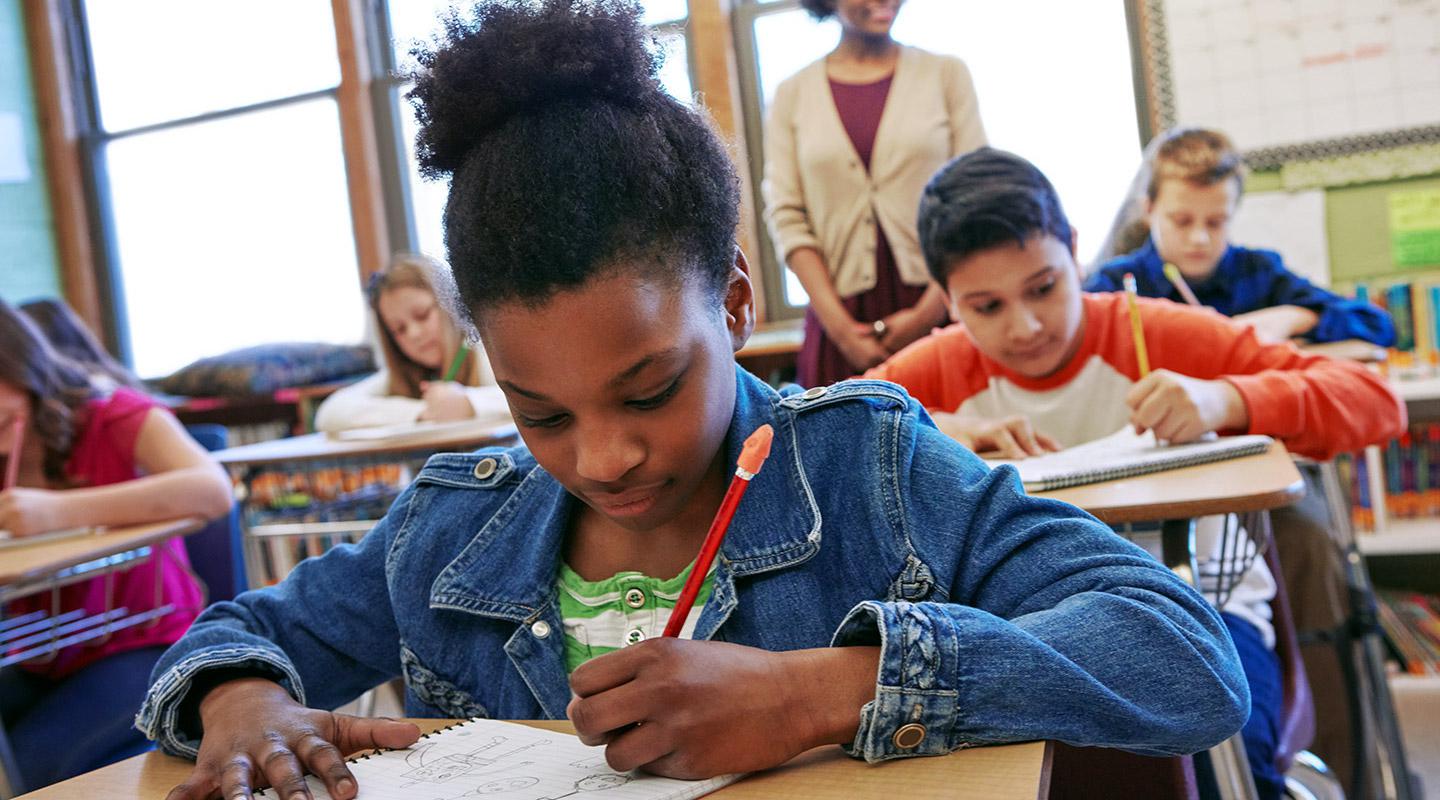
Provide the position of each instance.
(509, 568)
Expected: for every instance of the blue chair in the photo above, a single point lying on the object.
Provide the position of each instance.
(215, 550)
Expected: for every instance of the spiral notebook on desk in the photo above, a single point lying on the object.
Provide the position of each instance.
(1125, 454)
(505, 761)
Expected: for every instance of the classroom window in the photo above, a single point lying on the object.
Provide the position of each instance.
(1059, 93)
(417, 204)
(218, 177)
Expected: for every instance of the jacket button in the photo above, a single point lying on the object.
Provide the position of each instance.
(485, 468)
(635, 636)
(909, 736)
(814, 393)
(634, 598)
(540, 628)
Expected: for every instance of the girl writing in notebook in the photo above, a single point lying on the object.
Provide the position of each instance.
(89, 454)
(879, 587)
(430, 373)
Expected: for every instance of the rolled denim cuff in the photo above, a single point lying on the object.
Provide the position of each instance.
(159, 716)
(915, 712)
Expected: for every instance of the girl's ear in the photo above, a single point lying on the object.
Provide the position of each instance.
(740, 303)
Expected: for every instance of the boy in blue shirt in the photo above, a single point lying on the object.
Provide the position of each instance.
(1194, 187)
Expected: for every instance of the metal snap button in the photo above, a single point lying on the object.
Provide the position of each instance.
(540, 628)
(909, 736)
(814, 393)
(635, 636)
(634, 598)
(485, 468)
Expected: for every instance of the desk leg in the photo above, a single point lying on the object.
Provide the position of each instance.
(1227, 759)
(9, 773)
(1177, 549)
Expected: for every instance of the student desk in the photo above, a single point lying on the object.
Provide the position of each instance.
(301, 495)
(41, 567)
(1175, 498)
(1009, 772)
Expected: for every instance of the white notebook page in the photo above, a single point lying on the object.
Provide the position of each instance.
(506, 761)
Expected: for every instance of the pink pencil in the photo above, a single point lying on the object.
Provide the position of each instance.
(17, 440)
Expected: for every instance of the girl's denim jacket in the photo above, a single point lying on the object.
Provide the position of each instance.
(1000, 617)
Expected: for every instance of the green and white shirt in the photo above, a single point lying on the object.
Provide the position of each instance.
(624, 609)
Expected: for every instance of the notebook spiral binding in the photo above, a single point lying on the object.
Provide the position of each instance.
(1129, 470)
(377, 751)
(269, 791)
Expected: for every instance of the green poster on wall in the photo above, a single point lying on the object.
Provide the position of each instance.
(1415, 228)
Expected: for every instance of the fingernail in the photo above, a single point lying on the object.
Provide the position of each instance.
(300, 795)
(345, 786)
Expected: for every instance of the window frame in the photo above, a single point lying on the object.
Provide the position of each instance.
(387, 85)
(92, 140)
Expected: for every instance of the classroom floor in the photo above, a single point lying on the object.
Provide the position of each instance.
(1418, 703)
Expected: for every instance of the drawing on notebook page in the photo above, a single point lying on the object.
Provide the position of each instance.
(504, 761)
(446, 768)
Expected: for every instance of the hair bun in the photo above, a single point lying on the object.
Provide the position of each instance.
(522, 55)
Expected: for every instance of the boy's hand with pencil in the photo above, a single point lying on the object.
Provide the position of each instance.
(1182, 409)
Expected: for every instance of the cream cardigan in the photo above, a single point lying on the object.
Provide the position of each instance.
(818, 194)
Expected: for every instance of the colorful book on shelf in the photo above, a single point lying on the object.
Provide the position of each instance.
(1412, 627)
(490, 758)
(1124, 454)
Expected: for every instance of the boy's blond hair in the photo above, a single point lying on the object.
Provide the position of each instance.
(1197, 155)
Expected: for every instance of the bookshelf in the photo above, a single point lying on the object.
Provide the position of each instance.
(1403, 537)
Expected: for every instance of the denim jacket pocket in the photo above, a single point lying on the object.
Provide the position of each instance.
(436, 691)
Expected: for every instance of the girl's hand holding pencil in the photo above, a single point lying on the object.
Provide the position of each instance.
(26, 512)
(445, 401)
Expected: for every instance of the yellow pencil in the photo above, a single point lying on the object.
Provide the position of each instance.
(1138, 332)
(1173, 273)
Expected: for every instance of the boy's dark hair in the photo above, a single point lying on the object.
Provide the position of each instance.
(565, 156)
(981, 199)
(819, 9)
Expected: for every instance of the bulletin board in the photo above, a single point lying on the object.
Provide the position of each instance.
(1294, 80)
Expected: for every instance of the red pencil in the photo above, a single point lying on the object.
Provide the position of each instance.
(752, 457)
(17, 439)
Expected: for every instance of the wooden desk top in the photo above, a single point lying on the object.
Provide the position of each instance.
(320, 446)
(1010, 772)
(42, 560)
(1253, 483)
(772, 339)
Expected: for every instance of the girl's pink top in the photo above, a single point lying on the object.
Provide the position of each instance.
(104, 453)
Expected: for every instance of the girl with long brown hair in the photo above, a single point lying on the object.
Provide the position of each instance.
(429, 372)
(89, 453)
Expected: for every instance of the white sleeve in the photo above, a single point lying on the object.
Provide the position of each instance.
(365, 404)
(489, 403)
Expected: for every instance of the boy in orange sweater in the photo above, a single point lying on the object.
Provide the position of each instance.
(1038, 365)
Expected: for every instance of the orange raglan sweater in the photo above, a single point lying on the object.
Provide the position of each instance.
(1316, 405)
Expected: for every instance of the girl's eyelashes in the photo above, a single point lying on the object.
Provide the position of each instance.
(658, 400)
(544, 422)
(643, 404)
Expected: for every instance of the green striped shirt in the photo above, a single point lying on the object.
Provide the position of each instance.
(625, 609)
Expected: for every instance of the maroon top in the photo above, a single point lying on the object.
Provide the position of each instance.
(860, 106)
(819, 361)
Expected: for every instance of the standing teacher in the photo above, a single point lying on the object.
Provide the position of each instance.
(850, 142)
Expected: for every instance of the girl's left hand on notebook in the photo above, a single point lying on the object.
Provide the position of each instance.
(695, 709)
(445, 401)
(1182, 409)
(24, 511)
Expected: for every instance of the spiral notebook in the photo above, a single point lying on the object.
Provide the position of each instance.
(1124, 454)
(505, 761)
